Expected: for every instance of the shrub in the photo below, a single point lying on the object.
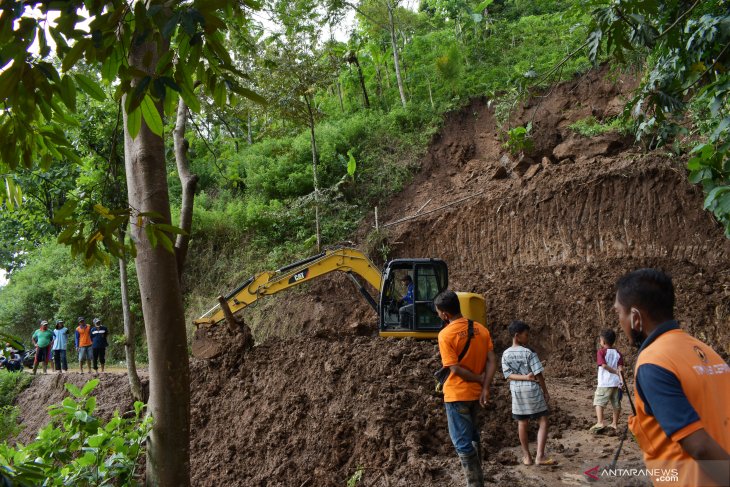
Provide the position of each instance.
(76, 448)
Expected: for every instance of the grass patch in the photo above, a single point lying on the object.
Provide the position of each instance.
(591, 127)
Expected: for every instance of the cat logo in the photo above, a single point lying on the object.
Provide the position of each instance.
(299, 276)
(700, 354)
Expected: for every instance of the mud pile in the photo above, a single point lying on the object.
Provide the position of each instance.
(47, 389)
(312, 410)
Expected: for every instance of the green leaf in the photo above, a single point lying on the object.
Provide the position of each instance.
(714, 194)
(73, 55)
(219, 95)
(134, 122)
(110, 67)
(165, 241)
(65, 236)
(190, 99)
(152, 115)
(251, 95)
(149, 229)
(67, 91)
(73, 390)
(594, 44)
(97, 440)
(169, 228)
(90, 86)
(89, 386)
(86, 460)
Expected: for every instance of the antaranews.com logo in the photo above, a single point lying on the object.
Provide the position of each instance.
(656, 474)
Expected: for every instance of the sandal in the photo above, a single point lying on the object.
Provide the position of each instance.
(596, 428)
(547, 463)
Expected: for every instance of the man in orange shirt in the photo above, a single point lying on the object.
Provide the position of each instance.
(83, 343)
(682, 421)
(468, 383)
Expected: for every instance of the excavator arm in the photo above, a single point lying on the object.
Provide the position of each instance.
(348, 260)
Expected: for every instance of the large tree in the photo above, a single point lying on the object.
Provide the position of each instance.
(150, 53)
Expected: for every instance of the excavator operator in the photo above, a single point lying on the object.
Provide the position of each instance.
(405, 310)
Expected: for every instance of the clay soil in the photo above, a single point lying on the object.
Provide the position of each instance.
(542, 238)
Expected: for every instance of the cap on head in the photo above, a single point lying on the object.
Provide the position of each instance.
(44, 323)
(81, 318)
(59, 322)
(97, 321)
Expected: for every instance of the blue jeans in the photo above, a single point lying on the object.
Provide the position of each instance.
(463, 429)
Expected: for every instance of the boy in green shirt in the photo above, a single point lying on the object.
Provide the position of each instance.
(42, 339)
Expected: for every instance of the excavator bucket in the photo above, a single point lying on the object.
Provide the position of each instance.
(204, 347)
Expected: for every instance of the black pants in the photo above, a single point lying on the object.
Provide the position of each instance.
(59, 358)
(100, 355)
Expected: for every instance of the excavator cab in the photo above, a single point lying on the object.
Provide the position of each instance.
(398, 315)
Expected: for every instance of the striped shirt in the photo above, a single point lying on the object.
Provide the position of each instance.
(527, 397)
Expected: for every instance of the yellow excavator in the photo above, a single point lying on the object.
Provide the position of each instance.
(398, 317)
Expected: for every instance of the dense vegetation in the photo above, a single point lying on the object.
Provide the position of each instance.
(77, 448)
(256, 203)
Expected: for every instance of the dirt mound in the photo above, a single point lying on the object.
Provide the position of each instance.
(312, 410)
(112, 391)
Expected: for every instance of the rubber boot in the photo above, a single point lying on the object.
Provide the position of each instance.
(35, 367)
(472, 469)
(478, 447)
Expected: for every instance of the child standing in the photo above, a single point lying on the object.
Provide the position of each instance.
(610, 364)
(530, 397)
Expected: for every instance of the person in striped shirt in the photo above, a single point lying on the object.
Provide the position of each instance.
(523, 369)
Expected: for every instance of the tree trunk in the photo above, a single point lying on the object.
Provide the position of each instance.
(366, 100)
(379, 83)
(315, 160)
(188, 181)
(394, 45)
(168, 448)
(249, 132)
(339, 95)
(430, 94)
(130, 340)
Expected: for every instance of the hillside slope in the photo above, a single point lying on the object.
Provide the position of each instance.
(544, 243)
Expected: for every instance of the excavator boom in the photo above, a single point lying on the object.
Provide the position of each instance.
(348, 260)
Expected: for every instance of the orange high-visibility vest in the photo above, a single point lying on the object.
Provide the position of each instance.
(705, 381)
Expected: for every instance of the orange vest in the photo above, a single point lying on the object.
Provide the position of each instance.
(705, 380)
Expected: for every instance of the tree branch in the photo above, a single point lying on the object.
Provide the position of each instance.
(189, 182)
